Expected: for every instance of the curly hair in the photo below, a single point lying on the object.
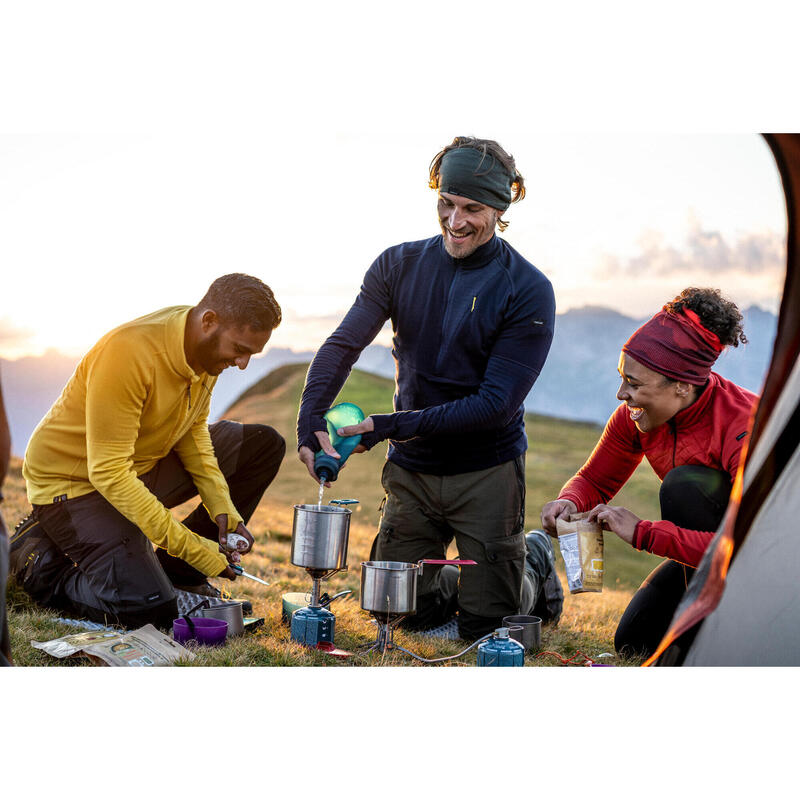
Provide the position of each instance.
(717, 314)
(490, 148)
(243, 300)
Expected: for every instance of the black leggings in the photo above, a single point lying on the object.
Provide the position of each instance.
(691, 497)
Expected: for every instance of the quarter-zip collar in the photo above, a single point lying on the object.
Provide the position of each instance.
(174, 334)
(480, 258)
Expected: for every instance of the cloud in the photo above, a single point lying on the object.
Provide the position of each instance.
(704, 251)
(13, 336)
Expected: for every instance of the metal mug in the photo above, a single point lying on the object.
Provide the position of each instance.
(525, 629)
(319, 537)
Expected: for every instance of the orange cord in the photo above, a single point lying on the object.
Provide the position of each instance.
(587, 662)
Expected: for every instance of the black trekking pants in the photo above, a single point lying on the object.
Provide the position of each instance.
(693, 497)
(87, 558)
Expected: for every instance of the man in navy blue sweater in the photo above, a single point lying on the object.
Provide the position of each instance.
(472, 323)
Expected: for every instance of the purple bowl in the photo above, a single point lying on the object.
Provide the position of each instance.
(206, 631)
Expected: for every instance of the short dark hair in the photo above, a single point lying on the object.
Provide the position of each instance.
(243, 300)
(490, 148)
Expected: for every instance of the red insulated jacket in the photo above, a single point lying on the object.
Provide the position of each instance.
(711, 432)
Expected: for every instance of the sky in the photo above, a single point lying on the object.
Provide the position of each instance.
(147, 148)
(135, 172)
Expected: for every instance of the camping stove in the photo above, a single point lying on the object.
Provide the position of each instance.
(389, 594)
(319, 544)
(385, 636)
(314, 624)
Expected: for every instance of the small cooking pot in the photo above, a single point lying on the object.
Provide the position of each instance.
(319, 537)
(390, 587)
(526, 629)
(229, 612)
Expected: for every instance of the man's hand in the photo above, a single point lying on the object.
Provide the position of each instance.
(227, 573)
(616, 519)
(306, 454)
(234, 554)
(367, 426)
(556, 509)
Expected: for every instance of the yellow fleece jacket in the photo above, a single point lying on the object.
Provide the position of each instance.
(131, 400)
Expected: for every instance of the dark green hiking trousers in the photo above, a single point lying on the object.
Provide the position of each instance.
(484, 512)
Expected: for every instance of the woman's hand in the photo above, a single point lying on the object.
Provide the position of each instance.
(615, 519)
(556, 509)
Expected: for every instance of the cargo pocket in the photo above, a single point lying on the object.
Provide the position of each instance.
(501, 581)
(506, 549)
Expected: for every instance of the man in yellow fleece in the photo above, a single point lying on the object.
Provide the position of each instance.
(128, 439)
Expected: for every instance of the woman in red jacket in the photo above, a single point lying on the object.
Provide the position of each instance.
(691, 425)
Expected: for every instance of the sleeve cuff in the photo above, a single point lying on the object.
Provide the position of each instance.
(369, 440)
(641, 534)
(308, 438)
(384, 427)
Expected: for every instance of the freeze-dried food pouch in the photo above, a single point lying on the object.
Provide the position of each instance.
(581, 544)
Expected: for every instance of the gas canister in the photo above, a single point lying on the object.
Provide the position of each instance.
(501, 651)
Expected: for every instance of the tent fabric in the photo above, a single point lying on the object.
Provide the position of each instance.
(756, 622)
(739, 607)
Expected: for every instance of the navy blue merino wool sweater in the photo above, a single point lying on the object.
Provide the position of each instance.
(470, 338)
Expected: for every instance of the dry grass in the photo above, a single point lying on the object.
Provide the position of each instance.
(556, 449)
(587, 624)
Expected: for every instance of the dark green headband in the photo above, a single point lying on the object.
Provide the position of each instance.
(467, 172)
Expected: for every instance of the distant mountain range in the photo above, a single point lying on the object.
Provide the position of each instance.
(578, 382)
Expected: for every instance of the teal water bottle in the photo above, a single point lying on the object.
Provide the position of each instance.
(341, 415)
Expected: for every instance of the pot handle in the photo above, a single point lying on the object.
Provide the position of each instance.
(440, 561)
(326, 599)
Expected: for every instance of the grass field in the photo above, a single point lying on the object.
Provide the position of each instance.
(556, 449)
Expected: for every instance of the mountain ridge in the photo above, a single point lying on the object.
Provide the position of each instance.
(578, 382)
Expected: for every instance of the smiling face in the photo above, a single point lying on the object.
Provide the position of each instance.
(223, 346)
(651, 398)
(466, 224)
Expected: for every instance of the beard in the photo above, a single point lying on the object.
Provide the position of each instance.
(208, 355)
(455, 250)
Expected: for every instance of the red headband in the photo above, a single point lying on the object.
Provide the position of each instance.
(676, 345)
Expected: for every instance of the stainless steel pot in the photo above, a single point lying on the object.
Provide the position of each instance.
(230, 612)
(390, 587)
(319, 537)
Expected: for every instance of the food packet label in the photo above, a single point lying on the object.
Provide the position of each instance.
(581, 545)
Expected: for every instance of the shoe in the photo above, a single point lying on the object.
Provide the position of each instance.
(205, 589)
(447, 630)
(35, 563)
(190, 596)
(540, 559)
(24, 547)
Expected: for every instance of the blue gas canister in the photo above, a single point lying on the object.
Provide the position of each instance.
(312, 625)
(501, 651)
